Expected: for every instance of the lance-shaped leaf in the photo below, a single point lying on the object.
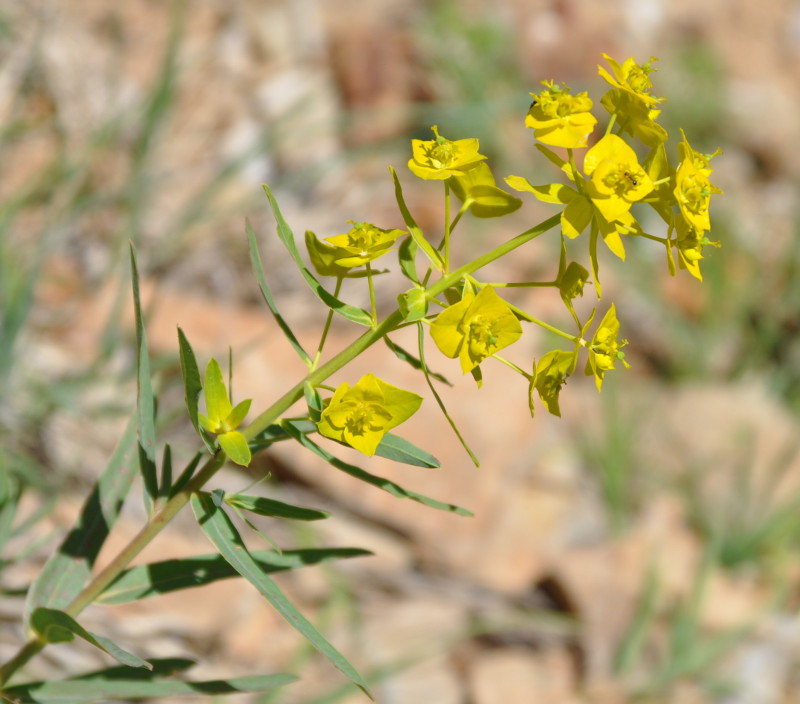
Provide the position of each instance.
(380, 482)
(173, 575)
(352, 313)
(145, 399)
(407, 254)
(66, 572)
(405, 356)
(54, 626)
(192, 386)
(270, 507)
(266, 293)
(434, 256)
(103, 690)
(223, 534)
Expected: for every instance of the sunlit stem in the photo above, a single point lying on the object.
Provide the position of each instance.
(662, 240)
(576, 177)
(327, 327)
(513, 366)
(373, 306)
(610, 125)
(463, 209)
(525, 316)
(446, 227)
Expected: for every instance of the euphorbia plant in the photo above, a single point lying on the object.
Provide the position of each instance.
(600, 188)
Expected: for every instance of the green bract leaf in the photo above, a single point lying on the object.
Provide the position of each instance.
(270, 507)
(356, 315)
(266, 293)
(486, 200)
(407, 253)
(413, 304)
(235, 446)
(218, 404)
(173, 575)
(55, 626)
(433, 256)
(145, 399)
(66, 572)
(223, 534)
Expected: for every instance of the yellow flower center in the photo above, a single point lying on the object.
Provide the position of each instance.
(366, 417)
(622, 178)
(695, 193)
(443, 154)
(638, 79)
(482, 337)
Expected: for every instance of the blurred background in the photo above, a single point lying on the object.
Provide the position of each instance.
(644, 548)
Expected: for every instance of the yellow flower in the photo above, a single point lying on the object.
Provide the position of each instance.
(605, 348)
(635, 116)
(439, 159)
(223, 418)
(632, 78)
(559, 118)
(364, 243)
(693, 190)
(690, 243)
(616, 178)
(478, 187)
(475, 328)
(360, 416)
(550, 375)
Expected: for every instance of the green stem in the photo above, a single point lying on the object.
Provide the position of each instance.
(373, 306)
(511, 365)
(446, 227)
(327, 327)
(525, 316)
(315, 377)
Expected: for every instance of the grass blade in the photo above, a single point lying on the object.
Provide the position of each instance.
(223, 534)
(145, 399)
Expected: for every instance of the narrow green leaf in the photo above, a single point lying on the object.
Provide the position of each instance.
(405, 356)
(166, 472)
(161, 667)
(352, 313)
(266, 293)
(145, 399)
(94, 690)
(398, 449)
(223, 534)
(9, 500)
(55, 626)
(407, 253)
(66, 572)
(186, 475)
(192, 385)
(270, 507)
(173, 575)
(427, 248)
(380, 482)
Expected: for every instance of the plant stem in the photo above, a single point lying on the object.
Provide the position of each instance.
(373, 306)
(327, 327)
(167, 512)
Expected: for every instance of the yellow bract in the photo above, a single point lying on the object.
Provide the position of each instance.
(631, 78)
(559, 118)
(475, 328)
(693, 190)
(222, 418)
(616, 178)
(361, 415)
(550, 375)
(363, 243)
(605, 348)
(440, 158)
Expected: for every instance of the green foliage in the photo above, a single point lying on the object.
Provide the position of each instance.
(469, 321)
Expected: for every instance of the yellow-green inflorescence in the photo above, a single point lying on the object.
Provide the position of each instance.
(608, 178)
(362, 414)
(222, 418)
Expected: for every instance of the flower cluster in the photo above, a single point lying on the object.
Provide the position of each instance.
(622, 170)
